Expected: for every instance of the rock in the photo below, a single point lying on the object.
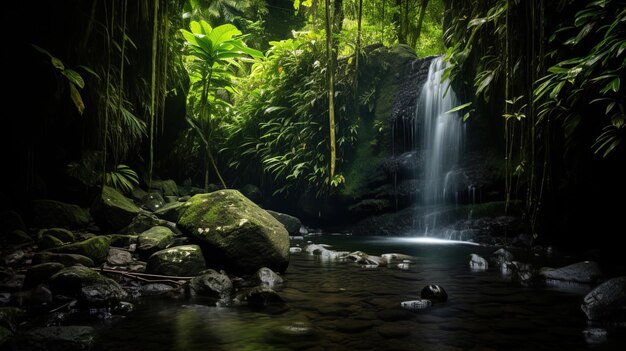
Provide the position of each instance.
(40, 273)
(238, 234)
(52, 214)
(295, 249)
(64, 235)
(154, 239)
(145, 221)
(124, 308)
(117, 257)
(291, 223)
(416, 305)
(121, 240)
(606, 301)
(113, 210)
(434, 293)
(595, 335)
(266, 276)
(170, 199)
(96, 248)
(48, 242)
(500, 257)
(138, 194)
(14, 258)
(5, 336)
(86, 285)
(261, 297)
(391, 257)
(152, 201)
(137, 266)
(252, 192)
(166, 187)
(478, 263)
(182, 261)
(212, 284)
(171, 211)
(587, 272)
(16, 238)
(10, 221)
(154, 289)
(66, 338)
(62, 258)
(525, 274)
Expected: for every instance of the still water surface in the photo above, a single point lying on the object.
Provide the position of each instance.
(342, 306)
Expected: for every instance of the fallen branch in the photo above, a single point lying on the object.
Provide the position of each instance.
(144, 277)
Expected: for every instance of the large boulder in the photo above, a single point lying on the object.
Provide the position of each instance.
(113, 210)
(291, 223)
(87, 285)
(180, 261)
(237, 234)
(154, 239)
(50, 213)
(587, 272)
(607, 300)
(96, 248)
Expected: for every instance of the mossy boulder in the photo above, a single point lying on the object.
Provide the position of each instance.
(16, 238)
(123, 240)
(144, 221)
(181, 261)
(63, 235)
(51, 214)
(63, 258)
(291, 223)
(95, 248)
(87, 285)
(152, 201)
(113, 210)
(166, 187)
(212, 284)
(154, 239)
(49, 242)
(171, 212)
(237, 235)
(40, 273)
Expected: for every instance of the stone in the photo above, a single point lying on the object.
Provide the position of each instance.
(66, 338)
(267, 277)
(48, 241)
(145, 221)
(40, 273)
(416, 305)
(478, 263)
(262, 297)
(295, 249)
(121, 240)
(96, 248)
(607, 300)
(65, 259)
(525, 274)
(112, 210)
(117, 257)
(181, 261)
(238, 235)
(16, 238)
(166, 187)
(212, 284)
(587, 272)
(154, 289)
(64, 235)
(171, 211)
(500, 257)
(154, 239)
(87, 285)
(152, 201)
(291, 223)
(138, 194)
(434, 293)
(53, 214)
(252, 192)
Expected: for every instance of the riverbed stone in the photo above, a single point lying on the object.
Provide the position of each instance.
(53, 214)
(63, 258)
(152, 201)
(112, 210)
(87, 285)
(238, 235)
(64, 235)
(587, 272)
(212, 284)
(123, 240)
(154, 239)
(266, 276)
(166, 187)
(182, 261)
(291, 223)
(477, 262)
(117, 257)
(40, 273)
(171, 211)
(66, 338)
(144, 221)
(500, 257)
(261, 297)
(434, 293)
(95, 248)
(48, 242)
(416, 305)
(607, 300)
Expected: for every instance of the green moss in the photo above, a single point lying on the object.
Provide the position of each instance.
(95, 248)
(113, 210)
(48, 242)
(63, 235)
(185, 261)
(65, 259)
(154, 239)
(122, 240)
(40, 273)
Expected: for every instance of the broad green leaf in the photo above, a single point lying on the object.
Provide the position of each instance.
(223, 33)
(74, 77)
(76, 98)
(90, 71)
(459, 108)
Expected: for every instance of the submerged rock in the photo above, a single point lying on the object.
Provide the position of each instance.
(113, 210)
(500, 257)
(291, 223)
(181, 261)
(86, 285)
(607, 300)
(587, 272)
(478, 263)
(96, 248)
(212, 284)
(434, 293)
(261, 297)
(50, 213)
(525, 274)
(266, 276)
(416, 305)
(239, 235)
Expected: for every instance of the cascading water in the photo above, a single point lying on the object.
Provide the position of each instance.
(442, 133)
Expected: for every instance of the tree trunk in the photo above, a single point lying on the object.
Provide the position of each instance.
(420, 21)
(331, 91)
(397, 19)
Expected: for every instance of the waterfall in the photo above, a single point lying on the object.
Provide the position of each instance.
(442, 134)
